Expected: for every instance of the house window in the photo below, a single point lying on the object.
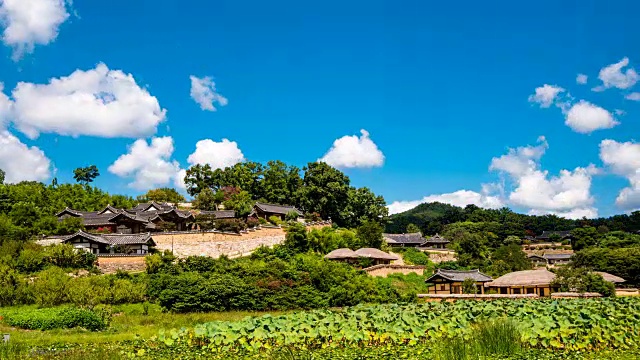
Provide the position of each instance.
(442, 287)
(531, 290)
(516, 291)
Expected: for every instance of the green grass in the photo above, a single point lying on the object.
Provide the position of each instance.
(411, 283)
(128, 323)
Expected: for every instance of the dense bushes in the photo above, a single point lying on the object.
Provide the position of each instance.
(413, 256)
(27, 257)
(230, 225)
(623, 262)
(59, 318)
(305, 281)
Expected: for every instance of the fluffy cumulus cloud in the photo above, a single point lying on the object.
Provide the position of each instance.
(635, 96)
(614, 76)
(98, 102)
(585, 117)
(218, 155)
(203, 92)
(31, 22)
(623, 158)
(354, 152)
(568, 194)
(582, 79)
(5, 107)
(21, 162)
(149, 164)
(460, 198)
(546, 95)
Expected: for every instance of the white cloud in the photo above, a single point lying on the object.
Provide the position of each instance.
(30, 22)
(354, 152)
(178, 182)
(98, 102)
(546, 95)
(635, 96)
(624, 159)
(149, 165)
(568, 194)
(21, 162)
(613, 76)
(5, 107)
(585, 117)
(203, 91)
(460, 198)
(581, 79)
(218, 155)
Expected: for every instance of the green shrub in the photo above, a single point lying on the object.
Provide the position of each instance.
(413, 256)
(57, 318)
(275, 220)
(263, 221)
(230, 225)
(252, 222)
(291, 216)
(50, 287)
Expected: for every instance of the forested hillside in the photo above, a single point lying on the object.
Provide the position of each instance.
(433, 217)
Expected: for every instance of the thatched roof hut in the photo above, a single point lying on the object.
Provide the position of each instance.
(609, 277)
(375, 254)
(542, 277)
(341, 254)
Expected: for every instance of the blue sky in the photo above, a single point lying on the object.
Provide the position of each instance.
(443, 90)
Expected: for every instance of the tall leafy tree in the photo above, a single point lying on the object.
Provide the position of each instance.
(363, 205)
(280, 183)
(325, 191)
(2, 176)
(169, 195)
(86, 175)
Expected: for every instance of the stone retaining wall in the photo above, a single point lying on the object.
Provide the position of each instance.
(384, 270)
(454, 297)
(127, 263)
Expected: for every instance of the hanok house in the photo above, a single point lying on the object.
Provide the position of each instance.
(450, 281)
(116, 244)
(377, 256)
(343, 254)
(142, 218)
(265, 211)
(525, 282)
(436, 242)
(219, 214)
(557, 259)
(537, 260)
(549, 235)
(402, 240)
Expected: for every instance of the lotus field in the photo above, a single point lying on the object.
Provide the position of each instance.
(545, 324)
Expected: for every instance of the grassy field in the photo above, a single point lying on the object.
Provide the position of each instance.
(128, 324)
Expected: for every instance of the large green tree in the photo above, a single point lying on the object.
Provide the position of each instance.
(325, 191)
(85, 175)
(169, 195)
(2, 176)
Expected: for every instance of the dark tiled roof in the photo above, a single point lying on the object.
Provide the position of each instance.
(97, 220)
(220, 214)
(437, 239)
(113, 239)
(411, 238)
(145, 206)
(548, 234)
(277, 209)
(460, 275)
(109, 208)
(557, 256)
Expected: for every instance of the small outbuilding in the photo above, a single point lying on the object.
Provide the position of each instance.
(609, 277)
(436, 242)
(342, 254)
(450, 281)
(378, 256)
(265, 211)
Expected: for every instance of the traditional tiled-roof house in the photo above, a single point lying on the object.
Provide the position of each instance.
(219, 214)
(549, 235)
(404, 240)
(436, 242)
(130, 244)
(450, 281)
(142, 218)
(265, 211)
